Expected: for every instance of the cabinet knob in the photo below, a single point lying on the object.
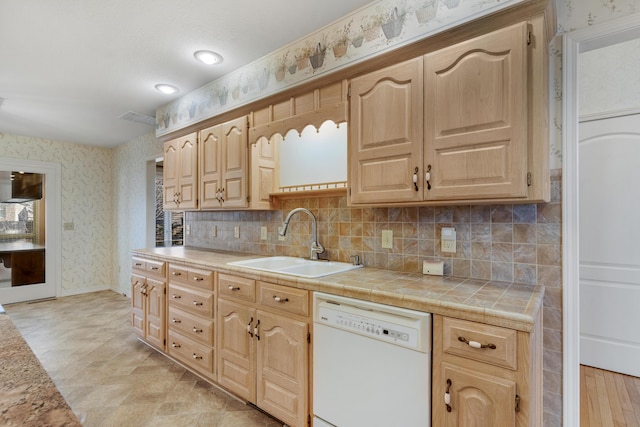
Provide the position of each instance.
(234, 288)
(176, 273)
(278, 299)
(197, 303)
(196, 330)
(176, 321)
(174, 345)
(195, 356)
(174, 296)
(198, 279)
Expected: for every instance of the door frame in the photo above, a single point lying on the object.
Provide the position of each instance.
(53, 220)
(574, 43)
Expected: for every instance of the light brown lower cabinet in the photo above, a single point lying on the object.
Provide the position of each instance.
(148, 285)
(191, 314)
(263, 341)
(485, 375)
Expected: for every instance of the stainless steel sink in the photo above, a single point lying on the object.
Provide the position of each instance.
(296, 266)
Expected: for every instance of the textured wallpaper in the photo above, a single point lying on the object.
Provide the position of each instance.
(87, 188)
(130, 212)
(575, 14)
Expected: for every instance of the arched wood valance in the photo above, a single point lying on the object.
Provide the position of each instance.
(313, 108)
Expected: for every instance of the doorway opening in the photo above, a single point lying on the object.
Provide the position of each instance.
(169, 225)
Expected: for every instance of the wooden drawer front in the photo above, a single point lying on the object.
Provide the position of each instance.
(195, 301)
(138, 264)
(291, 300)
(237, 287)
(155, 267)
(192, 276)
(196, 327)
(505, 341)
(193, 354)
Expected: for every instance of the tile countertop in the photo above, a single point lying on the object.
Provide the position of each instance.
(510, 305)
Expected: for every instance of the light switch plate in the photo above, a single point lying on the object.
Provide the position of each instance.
(448, 240)
(387, 239)
(263, 233)
(236, 232)
(214, 231)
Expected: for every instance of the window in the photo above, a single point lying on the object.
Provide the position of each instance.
(169, 225)
(18, 221)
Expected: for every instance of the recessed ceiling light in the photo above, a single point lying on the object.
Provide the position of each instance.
(208, 57)
(165, 88)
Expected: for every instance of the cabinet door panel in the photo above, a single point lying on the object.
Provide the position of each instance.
(476, 117)
(236, 355)
(210, 166)
(234, 148)
(283, 367)
(478, 399)
(170, 172)
(188, 172)
(386, 134)
(155, 313)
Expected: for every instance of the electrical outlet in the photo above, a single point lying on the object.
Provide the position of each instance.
(280, 236)
(387, 239)
(188, 230)
(448, 240)
(236, 232)
(69, 226)
(214, 231)
(263, 233)
(433, 268)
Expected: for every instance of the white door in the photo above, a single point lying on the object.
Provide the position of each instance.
(25, 251)
(609, 200)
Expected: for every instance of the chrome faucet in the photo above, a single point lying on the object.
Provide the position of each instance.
(316, 248)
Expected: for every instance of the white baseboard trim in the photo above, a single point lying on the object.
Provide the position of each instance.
(80, 291)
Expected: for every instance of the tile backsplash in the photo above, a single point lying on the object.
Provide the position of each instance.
(512, 243)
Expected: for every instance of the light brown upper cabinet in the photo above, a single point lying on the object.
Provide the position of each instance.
(180, 173)
(225, 158)
(385, 149)
(465, 123)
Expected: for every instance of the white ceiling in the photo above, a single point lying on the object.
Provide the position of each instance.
(70, 68)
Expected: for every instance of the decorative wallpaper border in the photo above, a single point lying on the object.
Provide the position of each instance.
(372, 30)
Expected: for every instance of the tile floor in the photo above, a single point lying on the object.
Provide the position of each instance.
(110, 378)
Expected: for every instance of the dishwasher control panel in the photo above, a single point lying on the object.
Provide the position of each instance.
(394, 325)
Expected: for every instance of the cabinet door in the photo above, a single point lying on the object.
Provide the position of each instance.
(265, 159)
(137, 304)
(188, 188)
(282, 367)
(475, 117)
(234, 157)
(236, 351)
(170, 166)
(155, 313)
(386, 142)
(210, 140)
(477, 399)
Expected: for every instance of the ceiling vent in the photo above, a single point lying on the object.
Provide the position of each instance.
(132, 116)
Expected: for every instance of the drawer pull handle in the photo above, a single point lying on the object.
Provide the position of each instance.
(174, 320)
(256, 331)
(198, 279)
(195, 356)
(138, 264)
(234, 288)
(476, 344)
(249, 328)
(278, 299)
(447, 396)
(174, 296)
(197, 303)
(176, 273)
(174, 345)
(154, 268)
(196, 330)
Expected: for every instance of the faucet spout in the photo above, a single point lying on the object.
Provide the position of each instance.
(316, 248)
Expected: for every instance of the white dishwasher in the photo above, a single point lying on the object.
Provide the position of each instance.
(371, 364)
